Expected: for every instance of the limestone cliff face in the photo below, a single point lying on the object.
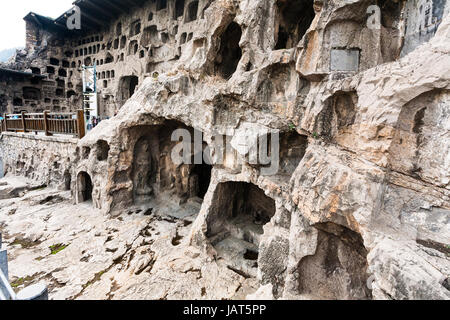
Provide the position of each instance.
(361, 205)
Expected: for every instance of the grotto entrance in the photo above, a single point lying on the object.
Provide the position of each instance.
(338, 268)
(155, 172)
(235, 224)
(84, 187)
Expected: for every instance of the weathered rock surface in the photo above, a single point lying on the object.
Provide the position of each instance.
(359, 208)
(81, 254)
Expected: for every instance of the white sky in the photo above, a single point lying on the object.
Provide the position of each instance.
(12, 26)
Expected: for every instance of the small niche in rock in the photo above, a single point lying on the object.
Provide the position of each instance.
(164, 37)
(192, 9)
(102, 150)
(338, 268)
(133, 47)
(176, 241)
(149, 36)
(179, 9)
(123, 42)
(292, 149)
(200, 180)
(135, 28)
(62, 73)
(59, 92)
(36, 70)
(50, 70)
(127, 87)
(17, 102)
(446, 284)
(339, 113)
(230, 52)
(183, 38)
(84, 184)
(85, 152)
(161, 4)
(109, 58)
(251, 255)
(67, 181)
(30, 93)
(294, 19)
(54, 62)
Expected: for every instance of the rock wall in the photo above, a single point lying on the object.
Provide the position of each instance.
(46, 160)
(364, 211)
(20, 92)
(359, 206)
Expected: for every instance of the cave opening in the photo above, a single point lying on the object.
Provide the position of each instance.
(30, 93)
(338, 268)
(17, 102)
(36, 70)
(67, 181)
(50, 70)
(149, 36)
(156, 172)
(292, 150)
(102, 150)
(62, 73)
(295, 17)
(85, 187)
(230, 52)
(338, 115)
(179, 9)
(201, 177)
(127, 87)
(192, 10)
(235, 224)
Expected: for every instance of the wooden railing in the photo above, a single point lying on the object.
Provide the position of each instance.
(48, 123)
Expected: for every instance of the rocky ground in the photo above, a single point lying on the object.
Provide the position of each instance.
(81, 254)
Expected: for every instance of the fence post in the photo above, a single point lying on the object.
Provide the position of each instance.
(46, 123)
(81, 126)
(23, 122)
